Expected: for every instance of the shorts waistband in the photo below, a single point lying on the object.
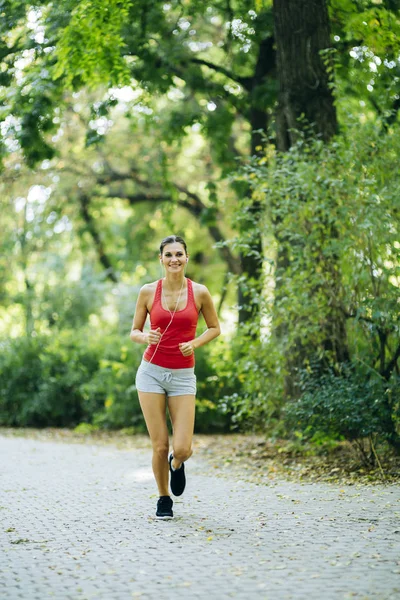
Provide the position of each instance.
(152, 368)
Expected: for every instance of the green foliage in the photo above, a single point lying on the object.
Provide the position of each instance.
(158, 46)
(211, 415)
(335, 214)
(70, 304)
(69, 379)
(367, 71)
(336, 208)
(40, 381)
(351, 405)
(253, 384)
(330, 224)
(89, 50)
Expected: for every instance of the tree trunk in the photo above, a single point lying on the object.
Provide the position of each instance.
(301, 33)
(84, 202)
(29, 287)
(251, 259)
(305, 107)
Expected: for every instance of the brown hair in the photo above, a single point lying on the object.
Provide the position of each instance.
(171, 239)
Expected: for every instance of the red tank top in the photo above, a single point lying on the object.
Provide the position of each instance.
(182, 329)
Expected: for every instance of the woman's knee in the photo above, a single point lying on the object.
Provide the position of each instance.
(182, 452)
(161, 449)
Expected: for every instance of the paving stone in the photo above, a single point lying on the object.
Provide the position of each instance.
(77, 523)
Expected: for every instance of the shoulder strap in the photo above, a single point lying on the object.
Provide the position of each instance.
(190, 291)
(157, 295)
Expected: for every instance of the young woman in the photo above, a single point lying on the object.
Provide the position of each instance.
(167, 369)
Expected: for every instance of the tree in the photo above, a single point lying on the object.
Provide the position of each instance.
(306, 107)
(219, 56)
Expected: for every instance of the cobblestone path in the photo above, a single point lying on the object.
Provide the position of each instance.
(77, 522)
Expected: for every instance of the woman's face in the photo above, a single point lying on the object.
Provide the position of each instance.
(174, 257)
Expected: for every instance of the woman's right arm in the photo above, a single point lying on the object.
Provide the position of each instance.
(137, 335)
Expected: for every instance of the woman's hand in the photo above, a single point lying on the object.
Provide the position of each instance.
(186, 348)
(154, 336)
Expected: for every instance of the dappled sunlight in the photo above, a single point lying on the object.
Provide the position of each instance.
(140, 474)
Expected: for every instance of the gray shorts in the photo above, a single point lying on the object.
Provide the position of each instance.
(158, 380)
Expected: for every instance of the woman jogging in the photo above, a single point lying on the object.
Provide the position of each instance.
(167, 369)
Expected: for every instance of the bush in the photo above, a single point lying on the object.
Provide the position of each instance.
(331, 225)
(350, 405)
(70, 378)
(51, 380)
(251, 377)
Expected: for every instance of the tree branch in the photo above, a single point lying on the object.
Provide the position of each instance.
(201, 85)
(266, 60)
(224, 291)
(196, 208)
(388, 371)
(245, 82)
(194, 205)
(355, 316)
(84, 202)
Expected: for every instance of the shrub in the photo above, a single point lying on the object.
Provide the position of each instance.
(70, 378)
(350, 405)
(40, 380)
(251, 379)
(330, 224)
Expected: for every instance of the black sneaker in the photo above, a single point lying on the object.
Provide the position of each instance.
(178, 479)
(164, 508)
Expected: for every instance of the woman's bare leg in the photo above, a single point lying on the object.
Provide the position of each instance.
(153, 408)
(182, 413)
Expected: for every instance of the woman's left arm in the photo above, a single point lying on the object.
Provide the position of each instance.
(211, 318)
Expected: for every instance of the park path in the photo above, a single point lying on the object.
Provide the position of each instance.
(77, 523)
